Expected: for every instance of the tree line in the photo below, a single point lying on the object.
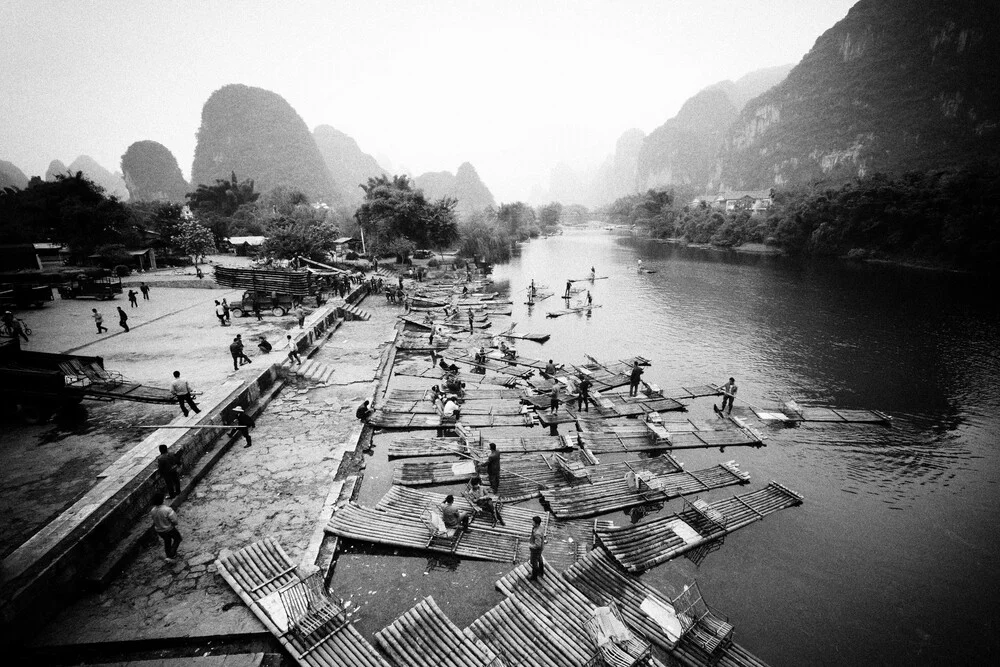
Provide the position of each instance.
(395, 218)
(945, 217)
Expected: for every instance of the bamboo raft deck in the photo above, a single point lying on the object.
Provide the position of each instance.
(424, 636)
(528, 362)
(264, 577)
(415, 446)
(562, 609)
(643, 546)
(396, 521)
(455, 356)
(614, 493)
(408, 420)
(514, 631)
(600, 579)
(411, 342)
(605, 376)
(480, 407)
(570, 311)
(420, 370)
(487, 393)
(534, 337)
(521, 477)
(792, 413)
(683, 434)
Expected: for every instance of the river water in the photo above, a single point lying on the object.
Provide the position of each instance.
(891, 560)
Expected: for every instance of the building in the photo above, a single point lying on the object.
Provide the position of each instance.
(755, 201)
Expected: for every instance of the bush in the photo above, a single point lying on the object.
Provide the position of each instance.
(121, 271)
(351, 256)
(434, 263)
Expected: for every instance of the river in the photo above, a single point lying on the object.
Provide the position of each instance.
(891, 560)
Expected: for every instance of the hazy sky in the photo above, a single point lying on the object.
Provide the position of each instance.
(513, 87)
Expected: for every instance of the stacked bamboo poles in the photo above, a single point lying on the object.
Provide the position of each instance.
(520, 633)
(263, 568)
(683, 435)
(640, 547)
(415, 446)
(600, 579)
(613, 494)
(424, 636)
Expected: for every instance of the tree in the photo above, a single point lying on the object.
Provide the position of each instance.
(194, 239)
(549, 215)
(392, 209)
(299, 234)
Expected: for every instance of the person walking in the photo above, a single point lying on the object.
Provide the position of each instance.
(166, 464)
(243, 423)
(123, 319)
(182, 392)
(293, 352)
(728, 395)
(220, 312)
(634, 378)
(14, 326)
(165, 525)
(256, 310)
(144, 288)
(133, 298)
(225, 311)
(493, 468)
(99, 321)
(239, 356)
(300, 315)
(535, 545)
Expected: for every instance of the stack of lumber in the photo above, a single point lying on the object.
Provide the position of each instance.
(296, 283)
(258, 573)
(417, 369)
(681, 434)
(643, 546)
(415, 446)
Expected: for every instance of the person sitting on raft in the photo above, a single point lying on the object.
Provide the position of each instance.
(453, 517)
(482, 498)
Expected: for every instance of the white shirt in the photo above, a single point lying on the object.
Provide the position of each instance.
(180, 387)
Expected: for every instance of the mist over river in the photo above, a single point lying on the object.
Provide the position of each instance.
(892, 558)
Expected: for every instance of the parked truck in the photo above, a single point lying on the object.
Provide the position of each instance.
(102, 285)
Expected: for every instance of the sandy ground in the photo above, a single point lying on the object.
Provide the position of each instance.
(275, 488)
(46, 468)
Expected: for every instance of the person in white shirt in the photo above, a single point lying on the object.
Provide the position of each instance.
(182, 392)
(165, 524)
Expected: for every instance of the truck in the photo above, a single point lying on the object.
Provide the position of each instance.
(102, 285)
(272, 290)
(278, 304)
(21, 296)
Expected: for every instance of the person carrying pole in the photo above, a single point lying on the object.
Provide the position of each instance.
(182, 392)
(728, 395)
(242, 423)
(635, 377)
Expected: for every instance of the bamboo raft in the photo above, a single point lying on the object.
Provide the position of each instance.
(424, 636)
(415, 446)
(600, 579)
(681, 434)
(536, 364)
(570, 311)
(793, 413)
(615, 492)
(414, 369)
(486, 393)
(535, 337)
(605, 376)
(410, 342)
(311, 626)
(643, 546)
(396, 521)
(461, 357)
(478, 407)
(514, 631)
(383, 418)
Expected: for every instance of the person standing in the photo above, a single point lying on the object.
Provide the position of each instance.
(300, 315)
(133, 298)
(123, 319)
(165, 525)
(99, 321)
(590, 301)
(634, 378)
(728, 395)
(182, 392)
(293, 351)
(225, 311)
(243, 423)
(583, 395)
(239, 357)
(144, 288)
(535, 545)
(569, 287)
(220, 312)
(470, 320)
(554, 399)
(493, 468)
(166, 464)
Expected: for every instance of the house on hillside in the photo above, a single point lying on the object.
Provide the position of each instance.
(754, 201)
(246, 245)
